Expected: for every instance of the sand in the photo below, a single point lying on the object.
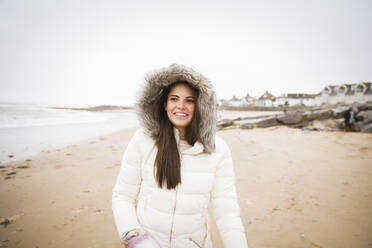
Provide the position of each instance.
(296, 189)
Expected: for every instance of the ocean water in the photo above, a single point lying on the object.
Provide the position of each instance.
(26, 130)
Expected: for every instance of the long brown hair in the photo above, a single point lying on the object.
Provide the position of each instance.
(167, 162)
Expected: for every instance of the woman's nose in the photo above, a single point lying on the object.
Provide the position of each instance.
(181, 104)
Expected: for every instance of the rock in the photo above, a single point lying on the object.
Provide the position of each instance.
(357, 126)
(261, 123)
(339, 112)
(308, 116)
(99, 211)
(224, 123)
(364, 116)
(23, 167)
(290, 119)
(247, 126)
(316, 119)
(11, 173)
(246, 121)
(341, 125)
(366, 106)
(366, 128)
(267, 122)
(322, 114)
(328, 124)
(5, 222)
(302, 124)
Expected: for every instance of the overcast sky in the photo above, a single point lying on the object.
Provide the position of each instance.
(70, 52)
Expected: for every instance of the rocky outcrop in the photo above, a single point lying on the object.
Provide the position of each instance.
(225, 123)
(366, 128)
(261, 123)
(357, 117)
(339, 112)
(364, 107)
(365, 116)
(290, 119)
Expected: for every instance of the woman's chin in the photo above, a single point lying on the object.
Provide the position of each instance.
(180, 124)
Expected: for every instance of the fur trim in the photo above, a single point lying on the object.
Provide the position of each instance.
(156, 81)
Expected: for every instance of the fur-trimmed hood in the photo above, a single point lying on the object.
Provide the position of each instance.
(206, 103)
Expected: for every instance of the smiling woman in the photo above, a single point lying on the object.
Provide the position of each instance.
(175, 167)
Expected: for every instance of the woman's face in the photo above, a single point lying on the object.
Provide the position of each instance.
(180, 106)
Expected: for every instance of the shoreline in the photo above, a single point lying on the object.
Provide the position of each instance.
(37, 146)
(17, 143)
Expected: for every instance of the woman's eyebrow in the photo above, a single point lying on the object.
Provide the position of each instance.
(179, 96)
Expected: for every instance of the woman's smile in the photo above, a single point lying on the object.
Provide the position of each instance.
(179, 114)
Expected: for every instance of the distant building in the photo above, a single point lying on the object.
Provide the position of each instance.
(235, 102)
(295, 99)
(267, 99)
(248, 100)
(238, 102)
(345, 93)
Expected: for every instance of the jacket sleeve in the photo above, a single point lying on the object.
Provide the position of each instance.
(225, 204)
(127, 186)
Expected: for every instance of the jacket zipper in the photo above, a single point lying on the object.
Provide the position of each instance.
(174, 211)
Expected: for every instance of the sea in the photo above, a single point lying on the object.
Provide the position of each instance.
(26, 129)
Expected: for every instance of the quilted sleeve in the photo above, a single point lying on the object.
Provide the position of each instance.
(225, 204)
(127, 187)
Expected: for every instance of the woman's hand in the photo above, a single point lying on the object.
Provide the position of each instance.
(138, 238)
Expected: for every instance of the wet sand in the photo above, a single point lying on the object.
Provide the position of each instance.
(296, 189)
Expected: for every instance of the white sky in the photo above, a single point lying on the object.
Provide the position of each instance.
(82, 53)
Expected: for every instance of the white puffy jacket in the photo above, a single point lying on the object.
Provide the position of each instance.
(179, 217)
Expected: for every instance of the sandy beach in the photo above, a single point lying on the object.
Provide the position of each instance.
(296, 189)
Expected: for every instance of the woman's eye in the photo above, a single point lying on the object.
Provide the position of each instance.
(173, 99)
(190, 101)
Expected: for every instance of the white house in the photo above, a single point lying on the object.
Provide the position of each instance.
(238, 102)
(234, 102)
(267, 99)
(295, 99)
(345, 93)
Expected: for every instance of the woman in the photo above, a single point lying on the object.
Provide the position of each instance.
(175, 166)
